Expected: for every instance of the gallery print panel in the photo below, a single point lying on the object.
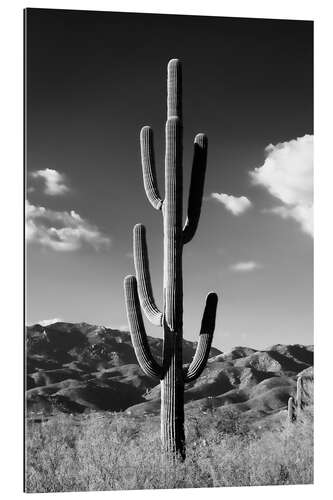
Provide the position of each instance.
(169, 251)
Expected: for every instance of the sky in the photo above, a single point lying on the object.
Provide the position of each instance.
(93, 79)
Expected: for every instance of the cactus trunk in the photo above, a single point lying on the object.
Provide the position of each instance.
(172, 398)
(172, 384)
(138, 290)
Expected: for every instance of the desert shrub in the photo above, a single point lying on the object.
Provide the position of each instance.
(213, 426)
(275, 457)
(104, 451)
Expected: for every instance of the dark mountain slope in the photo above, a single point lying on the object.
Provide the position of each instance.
(80, 367)
(73, 367)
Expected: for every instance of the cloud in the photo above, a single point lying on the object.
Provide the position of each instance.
(245, 267)
(287, 174)
(47, 322)
(61, 231)
(235, 205)
(54, 181)
(303, 214)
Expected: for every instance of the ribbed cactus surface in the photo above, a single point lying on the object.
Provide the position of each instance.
(138, 289)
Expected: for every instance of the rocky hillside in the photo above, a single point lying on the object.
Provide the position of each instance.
(77, 367)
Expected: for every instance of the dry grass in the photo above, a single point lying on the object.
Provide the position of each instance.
(111, 451)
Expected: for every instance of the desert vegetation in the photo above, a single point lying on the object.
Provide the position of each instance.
(93, 417)
(112, 451)
(93, 421)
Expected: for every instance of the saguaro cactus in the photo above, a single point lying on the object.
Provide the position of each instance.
(138, 289)
(297, 404)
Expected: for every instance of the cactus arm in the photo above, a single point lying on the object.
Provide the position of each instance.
(205, 339)
(141, 263)
(196, 187)
(148, 168)
(137, 329)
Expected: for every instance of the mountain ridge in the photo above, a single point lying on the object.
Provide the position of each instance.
(78, 367)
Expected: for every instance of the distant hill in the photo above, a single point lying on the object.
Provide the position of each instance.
(73, 367)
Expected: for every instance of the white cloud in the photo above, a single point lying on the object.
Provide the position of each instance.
(61, 231)
(47, 322)
(244, 267)
(287, 174)
(54, 181)
(303, 214)
(235, 205)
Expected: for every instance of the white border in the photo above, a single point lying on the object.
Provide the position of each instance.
(11, 247)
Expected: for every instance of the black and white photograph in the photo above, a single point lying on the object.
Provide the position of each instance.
(169, 335)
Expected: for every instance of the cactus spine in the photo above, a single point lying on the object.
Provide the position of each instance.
(138, 289)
